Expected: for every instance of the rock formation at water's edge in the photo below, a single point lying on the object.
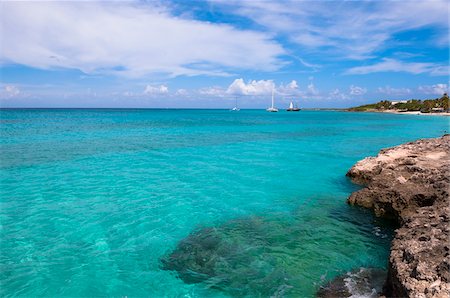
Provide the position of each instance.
(411, 184)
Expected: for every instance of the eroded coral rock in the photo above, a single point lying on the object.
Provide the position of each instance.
(411, 183)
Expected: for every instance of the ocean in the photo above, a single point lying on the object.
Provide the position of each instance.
(92, 201)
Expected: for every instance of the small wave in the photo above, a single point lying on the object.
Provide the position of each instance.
(360, 283)
(377, 232)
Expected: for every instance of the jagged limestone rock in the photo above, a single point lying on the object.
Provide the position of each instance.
(411, 184)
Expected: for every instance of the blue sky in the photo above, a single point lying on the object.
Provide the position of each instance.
(203, 54)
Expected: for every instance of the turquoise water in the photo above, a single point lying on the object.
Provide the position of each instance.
(92, 200)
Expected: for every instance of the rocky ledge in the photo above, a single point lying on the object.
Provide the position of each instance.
(411, 184)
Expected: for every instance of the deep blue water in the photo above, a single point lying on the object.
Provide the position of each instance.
(91, 200)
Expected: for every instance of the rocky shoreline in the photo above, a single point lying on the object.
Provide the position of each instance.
(410, 183)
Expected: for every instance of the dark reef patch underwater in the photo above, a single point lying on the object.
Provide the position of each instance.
(281, 255)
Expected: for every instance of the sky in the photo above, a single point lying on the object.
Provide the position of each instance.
(208, 54)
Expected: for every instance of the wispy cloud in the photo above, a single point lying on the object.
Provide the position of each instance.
(394, 91)
(393, 65)
(181, 92)
(214, 91)
(312, 90)
(10, 91)
(127, 38)
(355, 90)
(351, 29)
(437, 89)
(337, 94)
(313, 67)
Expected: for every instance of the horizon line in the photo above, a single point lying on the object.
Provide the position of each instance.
(142, 108)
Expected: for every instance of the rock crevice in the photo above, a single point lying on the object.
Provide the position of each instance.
(410, 183)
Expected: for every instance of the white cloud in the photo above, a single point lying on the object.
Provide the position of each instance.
(161, 89)
(262, 87)
(394, 91)
(392, 65)
(127, 38)
(437, 89)
(355, 90)
(292, 85)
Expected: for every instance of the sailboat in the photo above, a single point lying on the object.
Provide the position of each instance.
(235, 106)
(292, 107)
(272, 108)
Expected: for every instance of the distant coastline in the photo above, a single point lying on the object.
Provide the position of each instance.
(398, 112)
(388, 111)
(435, 107)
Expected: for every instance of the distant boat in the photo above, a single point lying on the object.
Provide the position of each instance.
(292, 107)
(235, 106)
(272, 108)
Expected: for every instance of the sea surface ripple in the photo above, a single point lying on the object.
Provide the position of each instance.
(91, 200)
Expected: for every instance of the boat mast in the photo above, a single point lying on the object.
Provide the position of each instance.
(272, 97)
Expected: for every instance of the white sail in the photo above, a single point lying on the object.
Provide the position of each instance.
(293, 107)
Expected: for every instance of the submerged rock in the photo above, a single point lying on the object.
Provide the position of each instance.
(411, 184)
(364, 282)
(275, 255)
(232, 256)
(196, 256)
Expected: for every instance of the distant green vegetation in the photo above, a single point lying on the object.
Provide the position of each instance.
(424, 106)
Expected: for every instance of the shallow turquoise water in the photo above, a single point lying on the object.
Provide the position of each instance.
(91, 200)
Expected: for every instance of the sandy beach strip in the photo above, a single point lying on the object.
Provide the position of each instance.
(408, 113)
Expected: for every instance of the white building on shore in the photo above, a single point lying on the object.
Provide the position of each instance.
(398, 101)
